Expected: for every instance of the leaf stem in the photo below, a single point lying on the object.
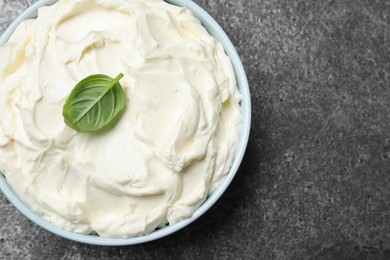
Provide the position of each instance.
(118, 78)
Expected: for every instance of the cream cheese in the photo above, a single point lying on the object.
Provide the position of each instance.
(171, 148)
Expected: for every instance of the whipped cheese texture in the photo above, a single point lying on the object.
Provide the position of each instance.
(168, 152)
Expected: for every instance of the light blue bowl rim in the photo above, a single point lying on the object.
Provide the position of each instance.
(217, 32)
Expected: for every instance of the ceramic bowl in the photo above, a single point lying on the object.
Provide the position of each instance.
(217, 32)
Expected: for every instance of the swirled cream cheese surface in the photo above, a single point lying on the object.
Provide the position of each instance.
(171, 148)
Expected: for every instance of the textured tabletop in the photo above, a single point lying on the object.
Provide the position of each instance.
(315, 181)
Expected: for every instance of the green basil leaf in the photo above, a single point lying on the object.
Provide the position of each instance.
(94, 103)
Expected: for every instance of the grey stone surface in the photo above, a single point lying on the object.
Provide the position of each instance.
(315, 182)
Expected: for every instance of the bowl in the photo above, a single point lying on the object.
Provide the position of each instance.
(217, 32)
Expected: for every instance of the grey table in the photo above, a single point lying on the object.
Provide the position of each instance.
(315, 182)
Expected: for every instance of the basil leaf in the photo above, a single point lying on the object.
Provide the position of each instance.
(94, 103)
